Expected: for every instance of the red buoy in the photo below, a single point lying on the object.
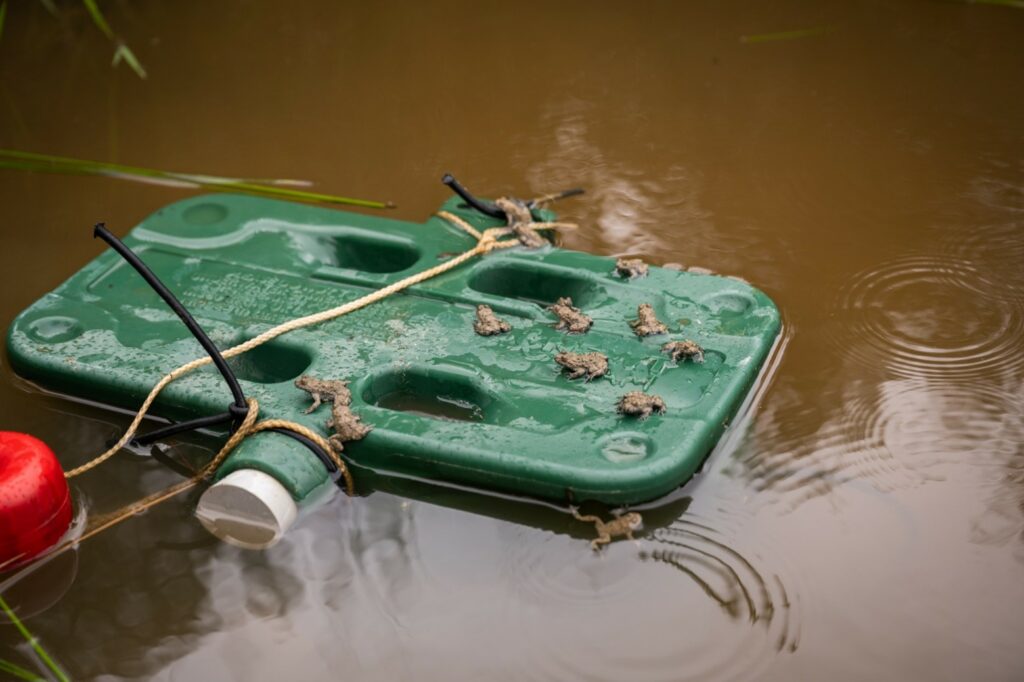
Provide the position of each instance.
(35, 503)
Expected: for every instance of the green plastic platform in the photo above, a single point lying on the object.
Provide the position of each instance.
(445, 404)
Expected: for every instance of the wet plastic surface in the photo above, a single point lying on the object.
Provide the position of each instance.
(446, 404)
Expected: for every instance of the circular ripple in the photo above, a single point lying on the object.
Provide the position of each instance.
(928, 317)
(897, 434)
(923, 424)
(997, 252)
(697, 608)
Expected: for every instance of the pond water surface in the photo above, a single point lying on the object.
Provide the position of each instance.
(861, 162)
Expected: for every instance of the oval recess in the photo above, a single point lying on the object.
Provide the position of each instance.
(366, 252)
(55, 329)
(626, 447)
(206, 213)
(733, 302)
(534, 282)
(431, 391)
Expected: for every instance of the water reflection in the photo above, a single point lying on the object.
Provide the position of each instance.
(638, 211)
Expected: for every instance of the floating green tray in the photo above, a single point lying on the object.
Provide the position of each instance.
(445, 404)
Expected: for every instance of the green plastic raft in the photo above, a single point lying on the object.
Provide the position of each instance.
(445, 403)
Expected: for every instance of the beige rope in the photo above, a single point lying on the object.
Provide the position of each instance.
(248, 427)
(487, 241)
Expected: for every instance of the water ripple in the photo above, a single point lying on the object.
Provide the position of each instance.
(728, 617)
(898, 434)
(928, 316)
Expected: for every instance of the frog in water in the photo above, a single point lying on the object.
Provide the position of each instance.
(621, 525)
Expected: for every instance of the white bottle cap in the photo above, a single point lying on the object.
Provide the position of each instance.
(248, 509)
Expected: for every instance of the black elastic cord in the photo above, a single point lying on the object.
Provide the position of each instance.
(317, 450)
(237, 411)
(486, 207)
(152, 280)
(489, 208)
(181, 427)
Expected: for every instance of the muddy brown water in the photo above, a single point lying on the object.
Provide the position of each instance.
(867, 522)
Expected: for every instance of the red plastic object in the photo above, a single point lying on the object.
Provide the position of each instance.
(35, 502)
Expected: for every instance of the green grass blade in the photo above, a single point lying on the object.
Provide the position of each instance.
(49, 7)
(34, 643)
(785, 35)
(3, 15)
(30, 161)
(19, 672)
(124, 53)
(97, 18)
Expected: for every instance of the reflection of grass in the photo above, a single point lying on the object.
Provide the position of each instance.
(122, 52)
(19, 672)
(786, 35)
(45, 657)
(28, 161)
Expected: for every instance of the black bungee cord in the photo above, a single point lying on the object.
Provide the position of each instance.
(239, 407)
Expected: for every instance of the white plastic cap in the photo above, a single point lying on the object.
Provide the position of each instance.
(248, 509)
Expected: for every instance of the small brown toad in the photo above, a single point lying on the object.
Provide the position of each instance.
(346, 426)
(520, 220)
(489, 324)
(647, 323)
(324, 390)
(586, 365)
(630, 267)
(680, 351)
(570, 319)
(622, 525)
(639, 404)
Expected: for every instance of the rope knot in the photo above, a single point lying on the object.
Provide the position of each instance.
(240, 434)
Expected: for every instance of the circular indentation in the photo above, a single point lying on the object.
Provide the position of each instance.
(55, 329)
(622, 448)
(438, 393)
(272, 363)
(364, 252)
(730, 302)
(535, 282)
(207, 213)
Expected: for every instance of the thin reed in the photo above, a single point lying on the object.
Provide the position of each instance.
(12, 159)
